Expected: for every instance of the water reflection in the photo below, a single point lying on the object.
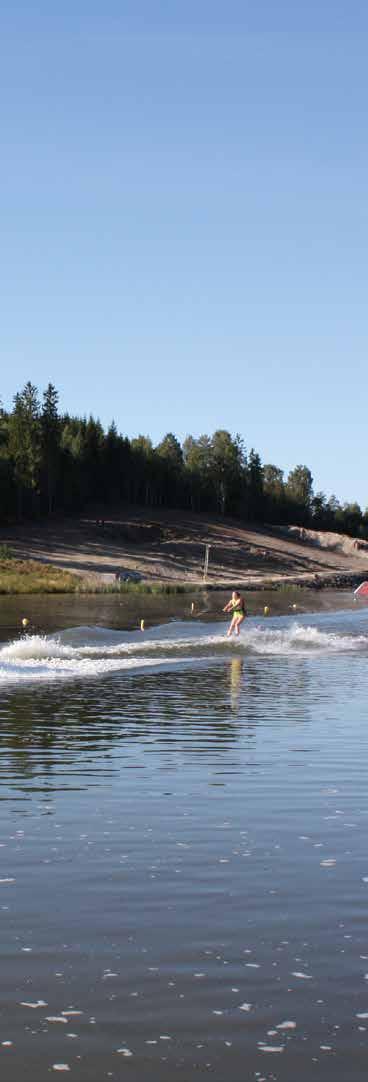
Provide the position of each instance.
(184, 870)
(236, 668)
(216, 706)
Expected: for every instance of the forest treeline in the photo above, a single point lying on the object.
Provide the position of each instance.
(53, 462)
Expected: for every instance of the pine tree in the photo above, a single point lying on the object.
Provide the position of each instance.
(25, 442)
(50, 428)
(299, 490)
(255, 483)
(197, 462)
(169, 468)
(226, 467)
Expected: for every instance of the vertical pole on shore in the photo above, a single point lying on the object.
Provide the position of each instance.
(206, 559)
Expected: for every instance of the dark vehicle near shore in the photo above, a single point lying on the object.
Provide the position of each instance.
(128, 576)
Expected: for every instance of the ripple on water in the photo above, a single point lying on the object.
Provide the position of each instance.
(183, 853)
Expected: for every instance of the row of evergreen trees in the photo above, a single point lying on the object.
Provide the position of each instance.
(52, 462)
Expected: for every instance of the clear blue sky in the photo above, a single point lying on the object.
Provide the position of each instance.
(184, 220)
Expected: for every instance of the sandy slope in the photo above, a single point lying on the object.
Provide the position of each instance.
(169, 546)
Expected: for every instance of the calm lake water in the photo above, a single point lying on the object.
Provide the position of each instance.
(183, 846)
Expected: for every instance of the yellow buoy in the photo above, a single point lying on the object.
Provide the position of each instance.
(25, 622)
(142, 625)
(266, 610)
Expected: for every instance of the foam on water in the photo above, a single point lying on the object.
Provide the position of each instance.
(48, 667)
(93, 651)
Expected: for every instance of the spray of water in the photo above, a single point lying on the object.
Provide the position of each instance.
(88, 652)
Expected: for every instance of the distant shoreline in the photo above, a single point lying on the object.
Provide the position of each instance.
(166, 553)
(19, 578)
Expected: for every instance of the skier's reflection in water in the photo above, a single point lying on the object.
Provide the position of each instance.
(236, 668)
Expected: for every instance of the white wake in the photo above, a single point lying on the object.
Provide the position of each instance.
(90, 652)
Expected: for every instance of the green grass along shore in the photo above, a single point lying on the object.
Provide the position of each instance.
(33, 577)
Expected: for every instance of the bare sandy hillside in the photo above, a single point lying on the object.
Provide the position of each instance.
(169, 546)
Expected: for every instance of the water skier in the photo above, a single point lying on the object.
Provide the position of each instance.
(236, 606)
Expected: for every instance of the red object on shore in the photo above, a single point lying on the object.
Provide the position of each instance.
(362, 590)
